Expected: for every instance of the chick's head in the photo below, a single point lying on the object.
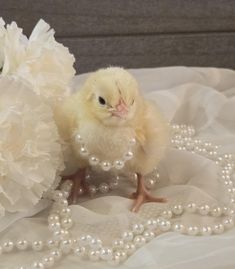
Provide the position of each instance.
(111, 96)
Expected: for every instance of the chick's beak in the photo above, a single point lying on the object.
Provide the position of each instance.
(121, 109)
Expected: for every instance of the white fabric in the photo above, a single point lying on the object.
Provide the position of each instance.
(202, 97)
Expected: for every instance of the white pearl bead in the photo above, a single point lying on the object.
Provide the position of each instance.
(132, 141)
(204, 210)
(191, 208)
(78, 138)
(133, 177)
(164, 225)
(166, 214)
(95, 243)
(117, 244)
(62, 203)
(139, 241)
(88, 177)
(57, 195)
(193, 230)
(228, 183)
(113, 185)
(84, 240)
(48, 261)
(231, 212)
(225, 172)
(127, 236)
(83, 151)
(122, 254)
(106, 253)
(231, 190)
(159, 220)
(216, 211)
(148, 235)
(178, 209)
(106, 166)
(54, 226)
(226, 210)
(206, 231)
(80, 191)
(129, 248)
(218, 228)
(118, 164)
(38, 265)
(56, 253)
(67, 223)
(66, 245)
(114, 261)
(137, 228)
(53, 218)
(93, 161)
(75, 242)
(37, 245)
(79, 251)
(65, 212)
(94, 255)
(103, 187)
(128, 155)
(179, 228)
(22, 244)
(92, 189)
(66, 185)
(150, 183)
(66, 194)
(228, 223)
(7, 246)
(60, 234)
(151, 224)
(232, 201)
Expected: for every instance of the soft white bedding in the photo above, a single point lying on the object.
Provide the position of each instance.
(203, 97)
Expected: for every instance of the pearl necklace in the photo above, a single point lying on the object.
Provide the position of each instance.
(60, 221)
(105, 187)
(105, 165)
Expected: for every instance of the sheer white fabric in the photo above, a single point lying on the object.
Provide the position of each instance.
(202, 97)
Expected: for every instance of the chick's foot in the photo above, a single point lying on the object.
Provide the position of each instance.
(142, 195)
(78, 187)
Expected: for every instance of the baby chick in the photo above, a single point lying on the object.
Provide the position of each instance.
(106, 112)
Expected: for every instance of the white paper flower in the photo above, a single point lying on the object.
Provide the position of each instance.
(40, 60)
(30, 153)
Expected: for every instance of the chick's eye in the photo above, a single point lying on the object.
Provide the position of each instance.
(101, 100)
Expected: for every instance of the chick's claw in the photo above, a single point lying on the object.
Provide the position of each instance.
(142, 195)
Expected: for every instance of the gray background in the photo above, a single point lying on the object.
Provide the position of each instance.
(135, 33)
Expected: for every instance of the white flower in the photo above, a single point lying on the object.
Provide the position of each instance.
(40, 60)
(30, 153)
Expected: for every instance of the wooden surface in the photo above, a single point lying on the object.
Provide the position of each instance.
(135, 33)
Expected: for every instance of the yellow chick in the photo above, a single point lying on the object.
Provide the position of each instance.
(106, 114)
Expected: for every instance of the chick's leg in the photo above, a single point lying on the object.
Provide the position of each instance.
(142, 195)
(78, 184)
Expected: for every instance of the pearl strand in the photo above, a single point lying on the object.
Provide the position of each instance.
(107, 166)
(60, 221)
(104, 164)
(105, 187)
